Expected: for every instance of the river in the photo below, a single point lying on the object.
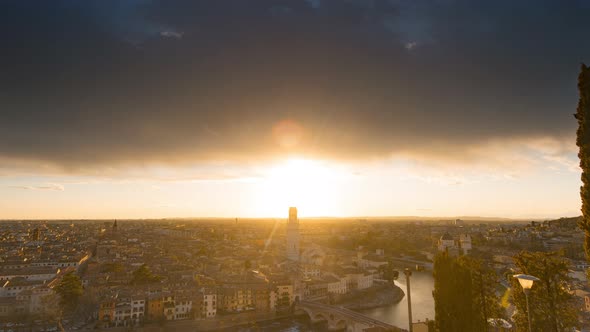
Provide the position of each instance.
(395, 314)
(422, 284)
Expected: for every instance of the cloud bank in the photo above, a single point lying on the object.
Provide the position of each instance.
(46, 186)
(97, 86)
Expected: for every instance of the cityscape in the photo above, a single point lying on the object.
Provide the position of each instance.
(258, 274)
(294, 166)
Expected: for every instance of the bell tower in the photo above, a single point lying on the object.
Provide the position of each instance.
(293, 235)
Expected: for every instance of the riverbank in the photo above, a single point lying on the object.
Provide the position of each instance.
(220, 323)
(374, 297)
(422, 302)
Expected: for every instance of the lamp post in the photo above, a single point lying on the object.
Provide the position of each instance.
(408, 273)
(526, 281)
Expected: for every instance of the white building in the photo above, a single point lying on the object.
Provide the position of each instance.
(31, 273)
(209, 308)
(309, 271)
(182, 308)
(465, 243)
(137, 309)
(461, 246)
(337, 285)
(272, 299)
(357, 279)
(13, 287)
(283, 294)
(446, 242)
(293, 235)
(364, 281)
(123, 314)
(75, 260)
(37, 304)
(371, 261)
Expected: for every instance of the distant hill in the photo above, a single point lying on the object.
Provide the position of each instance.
(571, 222)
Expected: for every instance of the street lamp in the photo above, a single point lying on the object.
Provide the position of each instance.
(526, 281)
(408, 273)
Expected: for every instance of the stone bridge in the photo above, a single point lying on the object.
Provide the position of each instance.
(341, 319)
(412, 263)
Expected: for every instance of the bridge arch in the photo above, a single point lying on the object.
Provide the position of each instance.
(339, 318)
(315, 316)
(339, 324)
(334, 321)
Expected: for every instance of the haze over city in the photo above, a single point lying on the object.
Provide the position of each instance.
(152, 109)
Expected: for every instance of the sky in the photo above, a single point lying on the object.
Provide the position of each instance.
(230, 108)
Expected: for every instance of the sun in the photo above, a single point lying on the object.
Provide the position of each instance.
(309, 185)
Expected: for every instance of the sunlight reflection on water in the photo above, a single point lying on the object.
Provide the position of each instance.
(422, 284)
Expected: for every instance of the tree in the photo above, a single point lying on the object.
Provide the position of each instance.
(388, 272)
(552, 306)
(583, 142)
(143, 275)
(464, 294)
(51, 313)
(69, 290)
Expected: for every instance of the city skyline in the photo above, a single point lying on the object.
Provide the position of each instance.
(153, 109)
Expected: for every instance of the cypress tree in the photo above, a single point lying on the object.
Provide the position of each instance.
(69, 290)
(583, 142)
(464, 294)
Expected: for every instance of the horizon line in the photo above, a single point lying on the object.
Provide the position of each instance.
(431, 218)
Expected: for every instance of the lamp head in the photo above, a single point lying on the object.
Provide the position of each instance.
(525, 280)
(408, 272)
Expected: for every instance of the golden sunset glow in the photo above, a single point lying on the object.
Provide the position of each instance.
(304, 183)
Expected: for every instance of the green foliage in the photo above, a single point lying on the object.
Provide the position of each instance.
(583, 142)
(388, 272)
(431, 326)
(143, 275)
(552, 306)
(464, 294)
(69, 290)
(505, 300)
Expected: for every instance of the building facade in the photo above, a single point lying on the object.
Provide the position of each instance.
(293, 235)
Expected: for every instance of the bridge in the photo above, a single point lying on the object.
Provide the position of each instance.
(412, 263)
(341, 319)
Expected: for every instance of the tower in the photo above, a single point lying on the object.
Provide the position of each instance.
(35, 235)
(293, 235)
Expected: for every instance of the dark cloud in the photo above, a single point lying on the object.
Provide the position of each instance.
(88, 84)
